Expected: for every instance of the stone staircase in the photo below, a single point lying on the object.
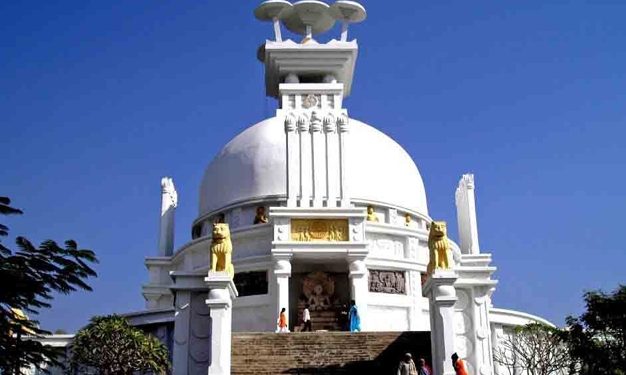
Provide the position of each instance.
(325, 352)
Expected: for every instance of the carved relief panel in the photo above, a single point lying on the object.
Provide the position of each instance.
(393, 282)
(306, 230)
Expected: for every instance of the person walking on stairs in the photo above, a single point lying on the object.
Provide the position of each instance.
(282, 322)
(423, 368)
(306, 318)
(355, 319)
(459, 365)
(407, 366)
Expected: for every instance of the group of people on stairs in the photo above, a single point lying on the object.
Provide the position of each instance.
(353, 316)
(408, 367)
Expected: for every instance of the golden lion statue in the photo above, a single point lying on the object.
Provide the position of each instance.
(440, 253)
(222, 250)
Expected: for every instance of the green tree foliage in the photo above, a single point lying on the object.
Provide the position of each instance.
(109, 345)
(533, 349)
(597, 338)
(29, 277)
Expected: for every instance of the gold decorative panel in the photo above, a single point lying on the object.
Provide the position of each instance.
(306, 230)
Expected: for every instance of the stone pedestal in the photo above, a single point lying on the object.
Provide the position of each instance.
(439, 288)
(222, 291)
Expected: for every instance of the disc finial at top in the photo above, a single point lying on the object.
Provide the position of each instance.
(308, 17)
(347, 12)
(271, 10)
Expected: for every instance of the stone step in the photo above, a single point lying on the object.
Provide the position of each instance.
(325, 352)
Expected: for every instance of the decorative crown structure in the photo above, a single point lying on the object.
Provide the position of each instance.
(308, 61)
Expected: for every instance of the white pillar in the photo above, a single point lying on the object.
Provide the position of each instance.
(466, 215)
(182, 325)
(306, 173)
(342, 125)
(293, 161)
(441, 295)
(169, 201)
(359, 287)
(318, 154)
(222, 291)
(282, 273)
(332, 161)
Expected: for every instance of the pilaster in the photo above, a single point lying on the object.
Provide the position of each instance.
(342, 126)
(306, 161)
(182, 319)
(442, 296)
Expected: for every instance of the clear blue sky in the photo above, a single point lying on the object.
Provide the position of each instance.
(100, 99)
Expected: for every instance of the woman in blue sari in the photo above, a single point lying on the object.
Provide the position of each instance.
(355, 319)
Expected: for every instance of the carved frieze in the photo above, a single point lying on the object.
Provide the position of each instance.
(306, 230)
(384, 246)
(393, 282)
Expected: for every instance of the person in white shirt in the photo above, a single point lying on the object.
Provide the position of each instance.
(306, 317)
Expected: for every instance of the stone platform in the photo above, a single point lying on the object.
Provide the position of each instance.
(325, 352)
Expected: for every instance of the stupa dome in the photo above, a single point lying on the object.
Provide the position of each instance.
(252, 166)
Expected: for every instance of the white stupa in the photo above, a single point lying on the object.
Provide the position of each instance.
(314, 171)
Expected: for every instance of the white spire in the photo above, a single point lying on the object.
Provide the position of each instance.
(466, 215)
(169, 201)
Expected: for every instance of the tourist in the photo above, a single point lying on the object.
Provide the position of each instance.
(282, 322)
(355, 319)
(306, 317)
(407, 366)
(458, 364)
(343, 320)
(424, 369)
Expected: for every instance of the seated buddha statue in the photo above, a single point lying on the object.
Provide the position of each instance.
(260, 217)
(371, 215)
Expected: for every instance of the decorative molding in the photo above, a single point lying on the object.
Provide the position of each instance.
(316, 213)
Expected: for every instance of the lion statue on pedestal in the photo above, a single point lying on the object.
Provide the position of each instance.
(440, 253)
(222, 250)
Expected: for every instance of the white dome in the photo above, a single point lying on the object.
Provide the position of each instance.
(253, 166)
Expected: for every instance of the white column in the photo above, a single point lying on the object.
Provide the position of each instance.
(182, 325)
(318, 154)
(169, 201)
(306, 173)
(466, 215)
(332, 161)
(222, 291)
(293, 161)
(441, 295)
(342, 125)
(359, 287)
(282, 273)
